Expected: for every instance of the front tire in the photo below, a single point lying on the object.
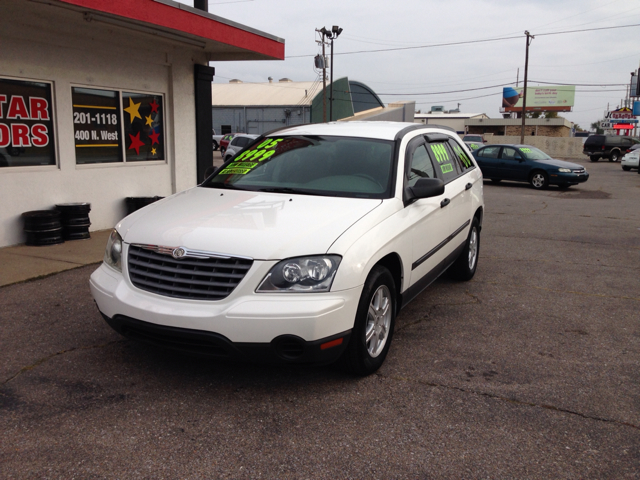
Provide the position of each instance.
(374, 324)
(539, 180)
(626, 169)
(464, 268)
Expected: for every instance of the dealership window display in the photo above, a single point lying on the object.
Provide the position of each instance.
(114, 126)
(26, 124)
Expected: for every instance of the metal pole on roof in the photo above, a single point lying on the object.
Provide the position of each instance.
(524, 98)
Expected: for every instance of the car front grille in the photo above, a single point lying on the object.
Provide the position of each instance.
(198, 277)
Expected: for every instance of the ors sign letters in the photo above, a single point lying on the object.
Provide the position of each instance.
(18, 134)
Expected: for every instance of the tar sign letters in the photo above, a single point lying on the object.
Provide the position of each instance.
(26, 126)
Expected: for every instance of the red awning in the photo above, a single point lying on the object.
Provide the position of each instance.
(224, 39)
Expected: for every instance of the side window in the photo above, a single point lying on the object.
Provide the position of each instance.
(489, 152)
(508, 153)
(420, 167)
(444, 160)
(464, 162)
(225, 129)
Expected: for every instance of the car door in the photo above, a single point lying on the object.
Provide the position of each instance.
(428, 221)
(487, 159)
(512, 165)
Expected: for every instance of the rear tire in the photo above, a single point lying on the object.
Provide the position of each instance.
(615, 156)
(464, 268)
(374, 324)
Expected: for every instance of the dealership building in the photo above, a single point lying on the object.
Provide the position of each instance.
(103, 100)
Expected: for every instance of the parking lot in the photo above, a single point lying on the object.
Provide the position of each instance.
(531, 370)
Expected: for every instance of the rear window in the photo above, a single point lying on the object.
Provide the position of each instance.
(595, 140)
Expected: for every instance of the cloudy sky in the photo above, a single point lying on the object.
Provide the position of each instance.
(594, 58)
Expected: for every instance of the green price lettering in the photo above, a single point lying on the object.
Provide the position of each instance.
(235, 171)
(440, 152)
(446, 168)
(525, 150)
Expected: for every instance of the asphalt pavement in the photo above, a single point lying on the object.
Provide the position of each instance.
(530, 370)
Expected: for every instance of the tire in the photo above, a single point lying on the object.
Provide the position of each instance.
(375, 318)
(464, 268)
(539, 180)
(615, 156)
(496, 180)
(222, 150)
(626, 169)
(594, 158)
(226, 159)
(215, 145)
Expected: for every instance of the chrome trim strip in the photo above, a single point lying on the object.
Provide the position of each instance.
(189, 253)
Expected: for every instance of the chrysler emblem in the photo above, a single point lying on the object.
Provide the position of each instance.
(178, 252)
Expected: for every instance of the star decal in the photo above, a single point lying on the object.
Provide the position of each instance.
(153, 151)
(149, 120)
(132, 110)
(154, 137)
(136, 143)
(154, 106)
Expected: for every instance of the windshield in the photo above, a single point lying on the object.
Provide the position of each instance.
(311, 165)
(472, 138)
(533, 153)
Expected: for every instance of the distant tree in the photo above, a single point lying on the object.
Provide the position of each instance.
(596, 126)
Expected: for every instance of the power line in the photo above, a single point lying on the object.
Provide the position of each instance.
(472, 41)
(583, 84)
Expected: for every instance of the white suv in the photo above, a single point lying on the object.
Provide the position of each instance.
(302, 249)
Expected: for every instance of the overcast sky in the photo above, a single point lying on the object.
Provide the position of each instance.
(598, 57)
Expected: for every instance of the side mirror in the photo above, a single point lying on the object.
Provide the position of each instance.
(426, 188)
(209, 171)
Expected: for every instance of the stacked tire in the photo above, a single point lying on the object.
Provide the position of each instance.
(75, 220)
(43, 227)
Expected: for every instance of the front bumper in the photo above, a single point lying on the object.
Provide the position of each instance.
(244, 324)
(560, 178)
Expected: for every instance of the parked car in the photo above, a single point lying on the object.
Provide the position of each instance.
(631, 157)
(524, 163)
(224, 142)
(237, 143)
(610, 147)
(216, 139)
(474, 141)
(302, 249)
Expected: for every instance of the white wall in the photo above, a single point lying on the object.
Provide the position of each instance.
(46, 43)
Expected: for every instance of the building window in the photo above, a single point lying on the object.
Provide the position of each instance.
(114, 126)
(143, 126)
(96, 125)
(26, 124)
(225, 129)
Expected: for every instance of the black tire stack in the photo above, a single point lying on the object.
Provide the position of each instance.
(75, 220)
(43, 227)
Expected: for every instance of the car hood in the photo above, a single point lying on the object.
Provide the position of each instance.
(263, 226)
(561, 163)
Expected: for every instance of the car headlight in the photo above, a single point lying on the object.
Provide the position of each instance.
(302, 274)
(113, 252)
(564, 170)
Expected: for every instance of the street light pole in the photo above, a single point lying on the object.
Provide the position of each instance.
(524, 98)
(331, 35)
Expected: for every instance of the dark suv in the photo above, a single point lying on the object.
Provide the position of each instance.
(612, 147)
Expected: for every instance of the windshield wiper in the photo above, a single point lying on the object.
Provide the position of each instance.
(288, 190)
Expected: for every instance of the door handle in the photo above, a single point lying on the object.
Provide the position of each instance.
(468, 186)
(445, 202)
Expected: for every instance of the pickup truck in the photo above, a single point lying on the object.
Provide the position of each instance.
(216, 140)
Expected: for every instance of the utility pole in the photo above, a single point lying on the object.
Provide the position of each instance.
(321, 63)
(524, 98)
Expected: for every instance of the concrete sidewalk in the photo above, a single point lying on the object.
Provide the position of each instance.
(22, 262)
